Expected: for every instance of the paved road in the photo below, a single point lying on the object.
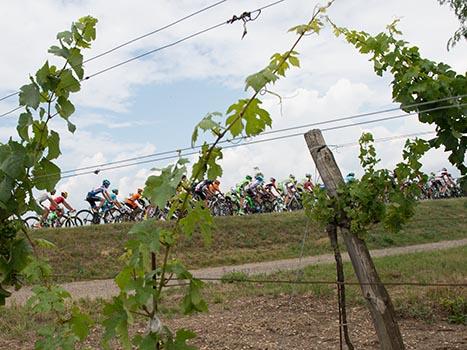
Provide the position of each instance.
(107, 288)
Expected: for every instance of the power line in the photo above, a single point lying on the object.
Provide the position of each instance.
(10, 111)
(264, 133)
(138, 38)
(386, 139)
(180, 154)
(246, 17)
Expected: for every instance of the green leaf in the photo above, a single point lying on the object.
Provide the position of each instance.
(116, 323)
(160, 188)
(3, 295)
(193, 302)
(42, 76)
(71, 126)
(179, 343)
(59, 51)
(43, 243)
(29, 96)
(76, 62)
(256, 119)
(259, 80)
(67, 84)
(6, 187)
(148, 342)
(207, 123)
(147, 233)
(13, 161)
(45, 299)
(24, 122)
(46, 175)
(64, 107)
(65, 36)
(53, 144)
(198, 217)
(80, 323)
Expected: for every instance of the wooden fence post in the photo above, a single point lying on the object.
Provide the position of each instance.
(378, 300)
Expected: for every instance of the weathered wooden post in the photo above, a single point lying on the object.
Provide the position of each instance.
(378, 300)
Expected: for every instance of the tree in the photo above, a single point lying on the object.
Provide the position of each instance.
(418, 80)
(27, 164)
(460, 9)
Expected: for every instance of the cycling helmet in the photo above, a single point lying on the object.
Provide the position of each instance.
(292, 176)
(115, 190)
(106, 183)
(140, 190)
(64, 194)
(248, 177)
(444, 169)
(217, 182)
(259, 177)
(350, 174)
(272, 179)
(308, 176)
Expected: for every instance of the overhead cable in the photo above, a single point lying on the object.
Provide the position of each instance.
(112, 67)
(180, 154)
(126, 43)
(267, 133)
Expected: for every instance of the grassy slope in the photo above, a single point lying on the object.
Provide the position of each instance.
(92, 252)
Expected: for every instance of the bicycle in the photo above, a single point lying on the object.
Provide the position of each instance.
(54, 219)
(106, 215)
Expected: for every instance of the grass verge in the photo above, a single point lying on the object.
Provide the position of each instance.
(93, 252)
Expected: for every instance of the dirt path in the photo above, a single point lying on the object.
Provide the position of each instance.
(107, 288)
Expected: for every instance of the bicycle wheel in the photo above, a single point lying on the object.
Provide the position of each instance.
(112, 216)
(73, 221)
(32, 222)
(86, 217)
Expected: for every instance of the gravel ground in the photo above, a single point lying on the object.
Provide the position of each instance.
(283, 322)
(305, 322)
(106, 288)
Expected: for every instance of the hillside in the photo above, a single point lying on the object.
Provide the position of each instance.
(93, 252)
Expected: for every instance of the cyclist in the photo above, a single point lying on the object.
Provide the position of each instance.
(308, 184)
(240, 189)
(349, 178)
(61, 200)
(201, 188)
(133, 200)
(108, 204)
(183, 185)
(271, 187)
(445, 179)
(213, 189)
(92, 196)
(290, 188)
(254, 188)
(46, 197)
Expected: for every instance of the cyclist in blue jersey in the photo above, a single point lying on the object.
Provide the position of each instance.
(113, 201)
(93, 196)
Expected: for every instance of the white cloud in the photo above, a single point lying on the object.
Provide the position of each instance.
(334, 80)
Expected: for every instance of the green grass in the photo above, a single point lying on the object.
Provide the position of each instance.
(425, 303)
(93, 252)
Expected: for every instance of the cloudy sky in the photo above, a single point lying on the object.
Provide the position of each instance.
(151, 105)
